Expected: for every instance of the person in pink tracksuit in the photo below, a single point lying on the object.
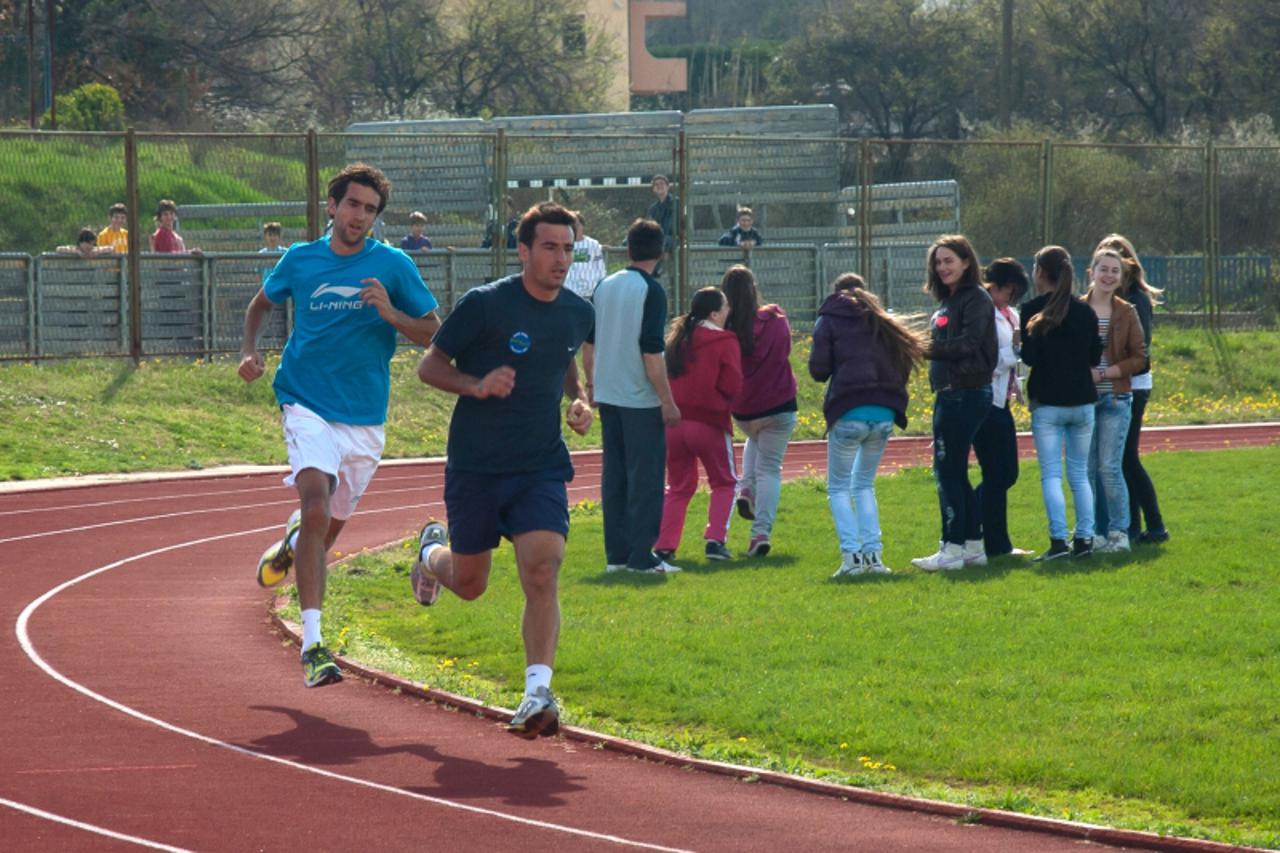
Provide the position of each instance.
(705, 367)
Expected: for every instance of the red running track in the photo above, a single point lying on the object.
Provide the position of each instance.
(148, 703)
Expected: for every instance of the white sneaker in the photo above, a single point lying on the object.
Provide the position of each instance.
(950, 558)
(426, 586)
(872, 561)
(1117, 542)
(615, 567)
(850, 565)
(974, 553)
(663, 568)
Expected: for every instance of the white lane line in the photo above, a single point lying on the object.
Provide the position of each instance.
(202, 511)
(425, 478)
(88, 827)
(24, 640)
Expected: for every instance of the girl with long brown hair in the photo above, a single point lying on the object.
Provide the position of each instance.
(866, 356)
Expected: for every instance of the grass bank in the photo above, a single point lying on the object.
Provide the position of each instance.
(91, 416)
(1128, 690)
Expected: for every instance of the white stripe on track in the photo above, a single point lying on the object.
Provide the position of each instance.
(28, 647)
(88, 827)
(277, 487)
(202, 511)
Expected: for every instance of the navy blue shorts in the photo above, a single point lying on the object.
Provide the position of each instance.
(483, 508)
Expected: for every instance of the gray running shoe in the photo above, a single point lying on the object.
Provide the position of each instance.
(537, 715)
(426, 587)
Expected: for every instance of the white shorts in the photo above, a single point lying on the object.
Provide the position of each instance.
(348, 454)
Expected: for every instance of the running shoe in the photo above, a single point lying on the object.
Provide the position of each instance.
(426, 586)
(537, 715)
(851, 565)
(319, 667)
(747, 505)
(275, 562)
(759, 545)
(717, 551)
(1058, 549)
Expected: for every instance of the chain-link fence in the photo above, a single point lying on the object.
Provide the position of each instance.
(1200, 216)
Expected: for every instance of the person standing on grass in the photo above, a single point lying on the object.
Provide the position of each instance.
(1060, 344)
(588, 268)
(1123, 354)
(865, 355)
(1143, 502)
(627, 380)
(962, 358)
(705, 367)
(996, 442)
(765, 408)
(507, 350)
(352, 295)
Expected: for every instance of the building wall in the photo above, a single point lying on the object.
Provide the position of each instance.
(636, 71)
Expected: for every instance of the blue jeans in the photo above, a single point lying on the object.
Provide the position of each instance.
(957, 415)
(1069, 428)
(1106, 462)
(854, 448)
(767, 439)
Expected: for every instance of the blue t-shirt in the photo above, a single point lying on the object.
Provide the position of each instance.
(501, 324)
(337, 360)
(411, 243)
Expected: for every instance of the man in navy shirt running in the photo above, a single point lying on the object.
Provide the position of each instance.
(507, 350)
(351, 296)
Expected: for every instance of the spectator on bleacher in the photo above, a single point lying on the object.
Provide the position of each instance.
(664, 211)
(86, 246)
(166, 239)
(588, 261)
(271, 233)
(744, 234)
(416, 240)
(115, 236)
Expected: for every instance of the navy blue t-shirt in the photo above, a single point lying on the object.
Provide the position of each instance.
(501, 324)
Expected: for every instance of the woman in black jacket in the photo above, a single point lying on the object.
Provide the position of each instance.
(867, 355)
(962, 356)
(1060, 344)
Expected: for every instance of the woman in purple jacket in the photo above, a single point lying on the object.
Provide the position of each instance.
(765, 408)
(867, 355)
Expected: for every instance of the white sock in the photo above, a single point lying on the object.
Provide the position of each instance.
(535, 676)
(310, 628)
(424, 553)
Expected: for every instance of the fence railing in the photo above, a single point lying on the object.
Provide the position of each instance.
(54, 306)
(1203, 215)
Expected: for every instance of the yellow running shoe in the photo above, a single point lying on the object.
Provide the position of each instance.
(273, 565)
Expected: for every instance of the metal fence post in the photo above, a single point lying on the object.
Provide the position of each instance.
(1046, 192)
(864, 214)
(313, 184)
(501, 214)
(1212, 246)
(33, 308)
(682, 219)
(134, 268)
(207, 303)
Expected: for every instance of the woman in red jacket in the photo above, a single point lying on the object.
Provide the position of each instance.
(706, 372)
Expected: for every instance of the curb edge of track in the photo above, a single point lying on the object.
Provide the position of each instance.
(970, 814)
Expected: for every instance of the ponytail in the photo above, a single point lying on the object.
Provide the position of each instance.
(705, 302)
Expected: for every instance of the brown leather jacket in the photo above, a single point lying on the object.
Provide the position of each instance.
(1125, 348)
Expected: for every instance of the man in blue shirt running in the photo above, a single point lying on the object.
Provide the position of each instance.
(507, 350)
(351, 296)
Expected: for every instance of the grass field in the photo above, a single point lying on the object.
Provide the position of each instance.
(99, 415)
(1134, 691)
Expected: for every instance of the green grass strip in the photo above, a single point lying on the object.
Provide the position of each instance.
(1136, 690)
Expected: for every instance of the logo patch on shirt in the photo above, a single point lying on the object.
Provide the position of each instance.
(337, 290)
(520, 343)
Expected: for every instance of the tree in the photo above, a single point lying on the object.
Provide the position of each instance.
(894, 68)
(522, 57)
